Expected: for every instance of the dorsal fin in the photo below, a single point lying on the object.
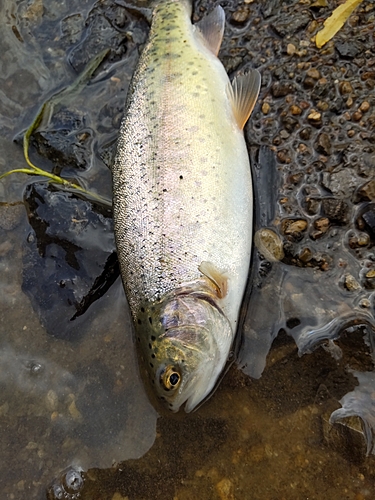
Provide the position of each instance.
(212, 27)
(243, 94)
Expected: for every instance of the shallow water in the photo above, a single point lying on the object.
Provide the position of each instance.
(71, 393)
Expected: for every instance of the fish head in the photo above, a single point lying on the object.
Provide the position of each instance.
(186, 349)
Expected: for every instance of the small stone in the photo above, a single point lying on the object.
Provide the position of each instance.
(295, 110)
(367, 191)
(351, 284)
(345, 88)
(293, 227)
(266, 108)
(290, 49)
(118, 496)
(305, 255)
(314, 116)
(225, 489)
(364, 107)
(349, 102)
(356, 116)
(269, 244)
(283, 156)
(305, 133)
(309, 83)
(322, 224)
(322, 105)
(351, 133)
(370, 274)
(241, 15)
(313, 73)
(281, 89)
(323, 144)
(335, 209)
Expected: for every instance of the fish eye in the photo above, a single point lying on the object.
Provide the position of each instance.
(170, 378)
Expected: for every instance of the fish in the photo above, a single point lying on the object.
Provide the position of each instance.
(182, 203)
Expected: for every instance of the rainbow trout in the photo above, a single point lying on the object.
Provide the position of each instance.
(182, 200)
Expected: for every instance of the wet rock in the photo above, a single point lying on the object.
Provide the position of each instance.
(335, 209)
(315, 118)
(281, 89)
(266, 108)
(225, 489)
(358, 240)
(71, 29)
(294, 228)
(364, 107)
(345, 87)
(305, 133)
(291, 25)
(323, 144)
(69, 258)
(349, 48)
(346, 438)
(269, 244)
(367, 220)
(369, 279)
(367, 191)
(241, 15)
(351, 284)
(341, 183)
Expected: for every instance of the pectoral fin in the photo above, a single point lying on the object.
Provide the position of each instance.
(211, 27)
(219, 280)
(243, 93)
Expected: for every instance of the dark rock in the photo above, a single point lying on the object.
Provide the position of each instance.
(281, 89)
(349, 48)
(367, 191)
(305, 133)
(323, 144)
(289, 123)
(336, 210)
(292, 25)
(69, 259)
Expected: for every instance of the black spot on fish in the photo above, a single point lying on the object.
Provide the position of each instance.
(150, 320)
(139, 321)
(149, 346)
(152, 366)
(142, 309)
(153, 356)
(181, 177)
(153, 338)
(138, 338)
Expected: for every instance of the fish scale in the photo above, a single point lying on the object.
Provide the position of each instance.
(182, 187)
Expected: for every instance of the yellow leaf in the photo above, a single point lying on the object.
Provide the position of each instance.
(335, 22)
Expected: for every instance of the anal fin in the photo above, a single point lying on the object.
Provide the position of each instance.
(243, 94)
(219, 280)
(211, 27)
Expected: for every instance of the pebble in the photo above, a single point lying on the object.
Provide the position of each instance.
(269, 244)
(367, 191)
(322, 224)
(364, 107)
(313, 73)
(345, 88)
(356, 116)
(290, 49)
(295, 110)
(314, 116)
(351, 283)
(241, 15)
(225, 489)
(266, 108)
(335, 209)
(323, 144)
(293, 226)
